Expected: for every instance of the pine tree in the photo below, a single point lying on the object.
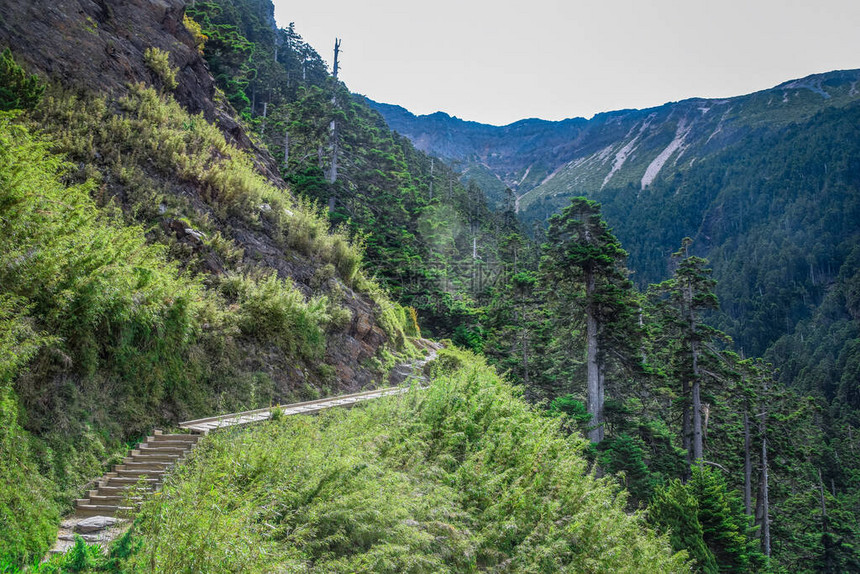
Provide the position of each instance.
(583, 271)
(690, 293)
(674, 510)
(18, 90)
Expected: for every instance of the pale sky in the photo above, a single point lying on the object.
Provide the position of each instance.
(501, 61)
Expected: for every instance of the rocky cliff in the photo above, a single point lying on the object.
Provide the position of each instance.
(96, 49)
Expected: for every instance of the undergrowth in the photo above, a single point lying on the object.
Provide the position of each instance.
(103, 334)
(461, 477)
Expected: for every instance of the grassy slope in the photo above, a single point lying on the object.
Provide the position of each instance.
(463, 476)
(134, 340)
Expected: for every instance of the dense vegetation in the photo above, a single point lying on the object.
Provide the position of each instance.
(664, 398)
(434, 244)
(109, 330)
(463, 476)
(150, 273)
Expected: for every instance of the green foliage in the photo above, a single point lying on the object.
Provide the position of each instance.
(95, 282)
(18, 90)
(196, 32)
(273, 310)
(574, 410)
(158, 61)
(417, 222)
(130, 333)
(724, 525)
(461, 477)
(155, 129)
(675, 510)
(625, 455)
(28, 513)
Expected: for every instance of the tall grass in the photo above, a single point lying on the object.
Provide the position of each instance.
(461, 477)
(275, 311)
(145, 130)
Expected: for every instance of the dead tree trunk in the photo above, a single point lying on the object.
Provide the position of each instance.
(332, 174)
(265, 114)
(697, 383)
(287, 141)
(686, 421)
(336, 67)
(432, 165)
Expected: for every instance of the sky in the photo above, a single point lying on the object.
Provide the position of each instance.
(501, 61)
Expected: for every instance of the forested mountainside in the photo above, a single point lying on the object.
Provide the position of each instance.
(197, 217)
(540, 160)
(155, 267)
(765, 183)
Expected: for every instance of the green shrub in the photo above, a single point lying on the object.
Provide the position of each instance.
(411, 327)
(18, 90)
(461, 477)
(272, 309)
(674, 510)
(120, 316)
(196, 32)
(28, 513)
(158, 61)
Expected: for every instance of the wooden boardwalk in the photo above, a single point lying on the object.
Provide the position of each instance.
(402, 373)
(103, 516)
(206, 425)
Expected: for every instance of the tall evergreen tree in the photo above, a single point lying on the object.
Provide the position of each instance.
(583, 271)
(691, 293)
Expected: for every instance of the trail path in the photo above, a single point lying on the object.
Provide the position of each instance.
(104, 515)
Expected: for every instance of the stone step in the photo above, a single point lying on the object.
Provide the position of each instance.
(182, 444)
(110, 490)
(117, 500)
(138, 472)
(127, 481)
(180, 438)
(175, 446)
(157, 455)
(142, 463)
(101, 510)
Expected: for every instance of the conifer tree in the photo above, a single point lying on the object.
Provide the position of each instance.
(18, 90)
(583, 271)
(674, 510)
(690, 293)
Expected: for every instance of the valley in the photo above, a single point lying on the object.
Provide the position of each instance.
(629, 343)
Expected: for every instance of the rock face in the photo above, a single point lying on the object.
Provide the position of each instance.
(97, 47)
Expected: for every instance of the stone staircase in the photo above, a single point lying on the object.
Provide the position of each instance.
(102, 516)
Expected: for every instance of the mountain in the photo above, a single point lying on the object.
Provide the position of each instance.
(541, 159)
(765, 184)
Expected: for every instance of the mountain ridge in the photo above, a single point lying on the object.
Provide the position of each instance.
(721, 171)
(582, 155)
(783, 85)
